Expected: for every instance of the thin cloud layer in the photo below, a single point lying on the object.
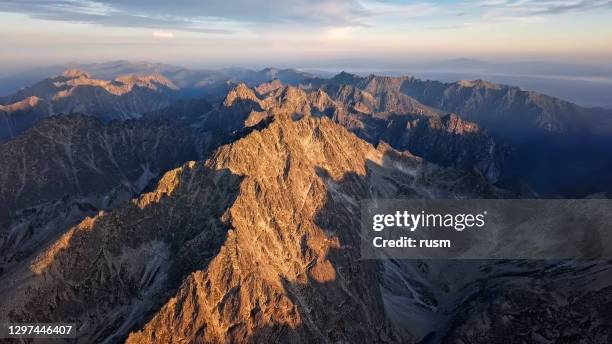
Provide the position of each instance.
(194, 15)
(219, 16)
(526, 9)
(227, 16)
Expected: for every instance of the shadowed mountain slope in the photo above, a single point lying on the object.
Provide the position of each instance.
(282, 262)
(557, 147)
(66, 167)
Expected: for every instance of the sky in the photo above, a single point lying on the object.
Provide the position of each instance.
(235, 32)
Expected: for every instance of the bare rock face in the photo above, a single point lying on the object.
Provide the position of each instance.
(446, 140)
(75, 73)
(75, 91)
(264, 237)
(115, 267)
(260, 242)
(541, 130)
(288, 271)
(497, 106)
(267, 87)
(68, 166)
(377, 96)
(276, 270)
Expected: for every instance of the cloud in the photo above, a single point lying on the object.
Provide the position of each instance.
(212, 16)
(406, 10)
(230, 16)
(534, 10)
(163, 35)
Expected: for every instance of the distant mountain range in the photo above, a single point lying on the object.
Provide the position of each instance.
(535, 132)
(588, 85)
(191, 82)
(169, 205)
(559, 147)
(74, 91)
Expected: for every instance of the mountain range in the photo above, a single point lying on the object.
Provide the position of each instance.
(75, 91)
(146, 214)
(558, 147)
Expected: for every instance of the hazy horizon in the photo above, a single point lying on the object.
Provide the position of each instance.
(586, 85)
(213, 34)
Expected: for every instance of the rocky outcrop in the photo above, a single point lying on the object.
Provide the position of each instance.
(446, 140)
(267, 87)
(66, 167)
(371, 95)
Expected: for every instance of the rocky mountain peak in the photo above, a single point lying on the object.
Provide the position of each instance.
(259, 243)
(291, 94)
(75, 73)
(292, 240)
(92, 165)
(346, 78)
(479, 84)
(152, 81)
(296, 102)
(240, 92)
(268, 87)
(21, 105)
(320, 99)
(455, 125)
(379, 84)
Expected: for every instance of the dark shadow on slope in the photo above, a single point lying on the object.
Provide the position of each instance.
(71, 166)
(346, 304)
(446, 140)
(522, 300)
(572, 166)
(124, 266)
(342, 303)
(560, 149)
(225, 125)
(437, 141)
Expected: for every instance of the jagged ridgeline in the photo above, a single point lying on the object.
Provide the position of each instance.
(524, 140)
(234, 217)
(266, 229)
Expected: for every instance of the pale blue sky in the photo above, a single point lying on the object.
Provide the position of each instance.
(233, 31)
